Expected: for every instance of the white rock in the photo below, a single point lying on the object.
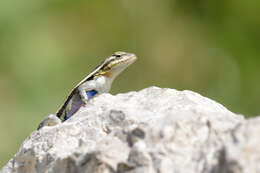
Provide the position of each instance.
(153, 130)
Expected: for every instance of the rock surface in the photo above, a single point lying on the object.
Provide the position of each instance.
(151, 131)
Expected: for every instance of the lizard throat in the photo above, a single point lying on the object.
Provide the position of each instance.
(108, 74)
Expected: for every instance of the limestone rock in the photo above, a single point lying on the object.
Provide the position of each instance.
(150, 131)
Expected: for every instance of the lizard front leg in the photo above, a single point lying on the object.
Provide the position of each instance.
(87, 91)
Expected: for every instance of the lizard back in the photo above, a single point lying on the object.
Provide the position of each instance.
(63, 107)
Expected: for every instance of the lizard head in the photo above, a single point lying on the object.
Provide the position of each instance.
(117, 62)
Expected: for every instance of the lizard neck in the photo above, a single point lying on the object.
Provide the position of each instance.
(103, 84)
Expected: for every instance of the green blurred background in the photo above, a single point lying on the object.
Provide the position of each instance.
(47, 46)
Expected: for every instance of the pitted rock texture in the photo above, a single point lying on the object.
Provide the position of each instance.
(154, 130)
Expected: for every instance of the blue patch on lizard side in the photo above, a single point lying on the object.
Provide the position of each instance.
(67, 116)
(91, 93)
(77, 104)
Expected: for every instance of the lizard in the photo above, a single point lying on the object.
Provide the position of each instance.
(97, 82)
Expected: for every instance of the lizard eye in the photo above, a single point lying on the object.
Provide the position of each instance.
(117, 56)
(107, 68)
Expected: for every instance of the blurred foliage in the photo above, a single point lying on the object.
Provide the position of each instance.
(46, 47)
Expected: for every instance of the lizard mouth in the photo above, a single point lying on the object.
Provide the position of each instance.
(130, 58)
